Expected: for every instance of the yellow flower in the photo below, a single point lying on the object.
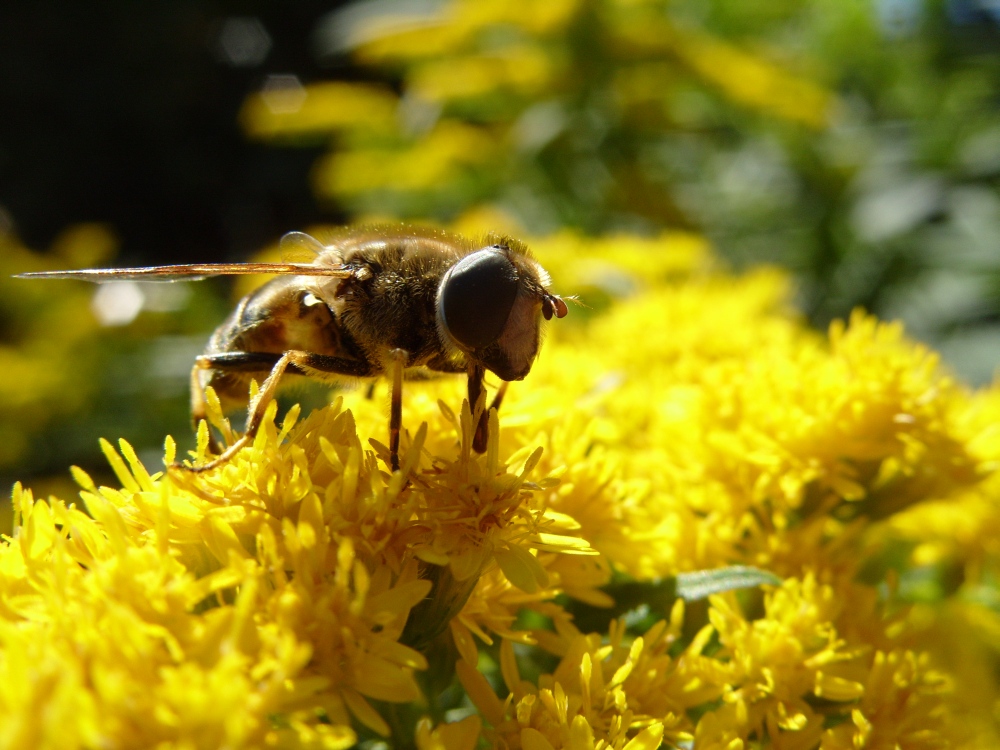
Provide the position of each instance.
(752, 80)
(447, 155)
(302, 595)
(379, 40)
(326, 107)
(45, 330)
(523, 70)
(109, 640)
(563, 76)
(582, 705)
(459, 735)
(793, 672)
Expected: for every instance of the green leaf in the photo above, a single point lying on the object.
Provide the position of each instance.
(703, 583)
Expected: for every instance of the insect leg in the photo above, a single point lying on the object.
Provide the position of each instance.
(498, 398)
(255, 415)
(446, 364)
(238, 361)
(482, 426)
(199, 410)
(244, 362)
(305, 363)
(396, 407)
(476, 375)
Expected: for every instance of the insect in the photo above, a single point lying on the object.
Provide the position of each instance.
(375, 301)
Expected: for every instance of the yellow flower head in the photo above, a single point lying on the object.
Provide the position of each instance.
(301, 595)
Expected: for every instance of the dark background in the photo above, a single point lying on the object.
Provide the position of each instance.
(126, 113)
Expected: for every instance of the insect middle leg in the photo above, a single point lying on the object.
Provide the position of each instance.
(302, 362)
(476, 376)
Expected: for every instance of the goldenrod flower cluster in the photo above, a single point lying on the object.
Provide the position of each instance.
(556, 107)
(301, 595)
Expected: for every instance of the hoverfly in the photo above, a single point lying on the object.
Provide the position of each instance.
(376, 300)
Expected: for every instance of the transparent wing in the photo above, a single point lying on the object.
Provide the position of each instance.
(191, 272)
(299, 247)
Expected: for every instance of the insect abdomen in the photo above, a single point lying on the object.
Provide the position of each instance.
(282, 315)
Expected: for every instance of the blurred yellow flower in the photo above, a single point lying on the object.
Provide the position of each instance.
(522, 70)
(442, 157)
(44, 331)
(558, 108)
(754, 81)
(327, 107)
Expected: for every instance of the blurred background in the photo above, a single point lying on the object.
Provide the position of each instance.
(854, 142)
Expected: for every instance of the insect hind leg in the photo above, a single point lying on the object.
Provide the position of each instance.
(199, 407)
(305, 363)
(248, 363)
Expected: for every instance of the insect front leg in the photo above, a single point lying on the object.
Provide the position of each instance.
(304, 363)
(252, 363)
(399, 357)
(477, 375)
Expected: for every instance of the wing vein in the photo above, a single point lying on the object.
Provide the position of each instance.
(192, 271)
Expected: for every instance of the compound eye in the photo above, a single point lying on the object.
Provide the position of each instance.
(476, 297)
